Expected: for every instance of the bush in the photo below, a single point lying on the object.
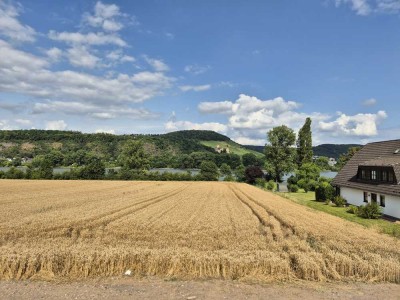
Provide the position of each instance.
(327, 202)
(302, 183)
(339, 201)
(370, 211)
(261, 182)
(324, 179)
(312, 185)
(293, 188)
(324, 192)
(229, 178)
(353, 209)
(292, 180)
(271, 185)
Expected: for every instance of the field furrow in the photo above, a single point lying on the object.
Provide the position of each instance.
(79, 229)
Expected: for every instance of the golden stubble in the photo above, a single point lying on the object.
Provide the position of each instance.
(187, 230)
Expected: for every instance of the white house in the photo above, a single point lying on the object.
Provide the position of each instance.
(373, 175)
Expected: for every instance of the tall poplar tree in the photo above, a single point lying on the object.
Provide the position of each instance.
(304, 144)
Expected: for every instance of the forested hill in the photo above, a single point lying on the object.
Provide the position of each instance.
(333, 150)
(328, 150)
(33, 142)
(165, 150)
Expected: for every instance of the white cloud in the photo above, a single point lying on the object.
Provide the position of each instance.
(109, 131)
(157, 64)
(95, 111)
(56, 125)
(361, 7)
(11, 106)
(80, 56)
(91, 38)
(226, 84)
(196, 69)
(54, 54)
(369, 102)
(247, 104)
(119, 56)
(367, 7)
(4, 125)
(187, 125)
(17, 59)
(195, 88)
(388, 6)
(248, 119)
(11, 28)
(363, 125)
(23, 122)
(249, 141)
(169, 35)
(27, 74)
(105, 16)
(223, 107)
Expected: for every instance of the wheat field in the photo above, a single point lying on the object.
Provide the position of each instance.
(186, 230)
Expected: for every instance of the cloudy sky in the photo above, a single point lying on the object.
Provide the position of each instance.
(236, 67)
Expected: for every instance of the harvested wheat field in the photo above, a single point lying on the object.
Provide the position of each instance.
(187, 230)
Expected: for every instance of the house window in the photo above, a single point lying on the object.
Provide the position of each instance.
(373, 198)
(362, 174)
(366, 197)
(382, 200)
(368, 174)
(373, 174)
(390, 176)
(384, 176)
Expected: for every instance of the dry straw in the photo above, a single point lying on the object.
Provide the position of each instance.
(61, 229)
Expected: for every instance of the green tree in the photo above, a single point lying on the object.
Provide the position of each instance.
(43, 167)
(250, 159)
(279, 151)
(323, 163)
(226, 170)
(209, 171)
(344, 158)
(304, 144)
(95, 169)
(133, 156)
(56, 157)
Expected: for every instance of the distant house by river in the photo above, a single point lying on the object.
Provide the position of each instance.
(373, 175)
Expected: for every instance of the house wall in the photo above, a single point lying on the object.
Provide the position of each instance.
(356, 197)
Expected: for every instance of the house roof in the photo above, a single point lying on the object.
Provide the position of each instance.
(373, 154)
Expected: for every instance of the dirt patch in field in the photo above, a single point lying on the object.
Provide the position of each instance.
(128, 288)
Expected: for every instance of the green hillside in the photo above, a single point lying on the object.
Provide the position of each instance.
(180, 149)
(234, 148)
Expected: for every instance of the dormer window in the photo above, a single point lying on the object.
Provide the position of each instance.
(380, 174)
(390, 177)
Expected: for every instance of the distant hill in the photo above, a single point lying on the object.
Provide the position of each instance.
(333, 150)
(30, 143)
(162, 147)
(328, 150)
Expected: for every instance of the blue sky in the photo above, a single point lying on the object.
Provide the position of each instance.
(236, 67)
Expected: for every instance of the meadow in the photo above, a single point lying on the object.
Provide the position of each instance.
(186, 230)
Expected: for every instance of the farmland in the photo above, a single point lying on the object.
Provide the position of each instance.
(188, 230)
